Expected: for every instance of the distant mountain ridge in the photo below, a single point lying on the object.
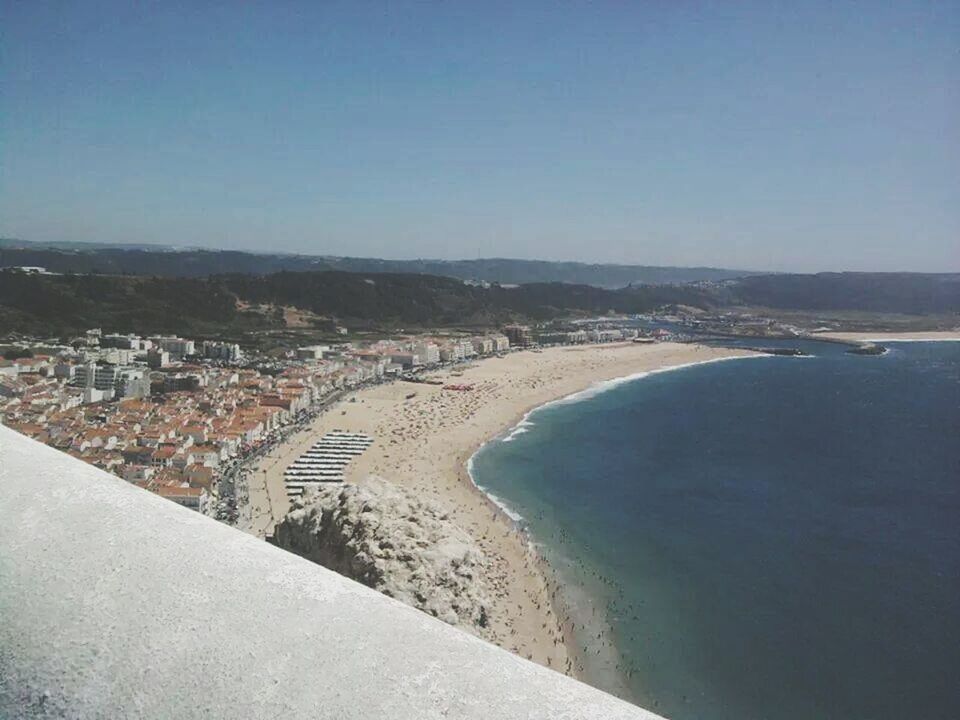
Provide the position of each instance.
(170, 261)
(244, 302)
(507, 271)
(908, 293)
(174, 290)
(68, 303)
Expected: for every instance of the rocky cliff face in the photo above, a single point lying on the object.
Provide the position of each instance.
(389, 539)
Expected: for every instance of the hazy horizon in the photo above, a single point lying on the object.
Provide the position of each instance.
(202, 248)
(754, 136)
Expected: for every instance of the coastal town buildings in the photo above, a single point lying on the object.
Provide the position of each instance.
(178, 417)
(428, 353)
(177, 347)
(519, 335)
(173, 415)
(124, 342)
(501, 343)
(312, 352)
(229, 352)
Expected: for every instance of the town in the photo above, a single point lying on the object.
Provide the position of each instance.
(182, 418)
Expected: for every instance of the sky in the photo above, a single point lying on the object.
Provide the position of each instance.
(788, 136)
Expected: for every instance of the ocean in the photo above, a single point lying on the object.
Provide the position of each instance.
(775, 537)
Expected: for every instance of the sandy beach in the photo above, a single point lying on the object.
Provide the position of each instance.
(891, 336)
(423, 442)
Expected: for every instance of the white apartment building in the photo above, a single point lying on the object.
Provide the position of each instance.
(109, 381)
(221, 351)
(466, 348)
(157, 358)
(92, 395)
(312, 352)
(483, 345)
(178, 347)
(101, 377)
(428, 352)
(451, 352)
(115, 356)
(605, 336)
(132, 383)
(374, 369)
(122, 342)
(405, 359)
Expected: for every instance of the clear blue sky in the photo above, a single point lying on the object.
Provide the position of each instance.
(784, 136)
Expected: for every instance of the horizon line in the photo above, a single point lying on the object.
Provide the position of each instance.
(159, 247)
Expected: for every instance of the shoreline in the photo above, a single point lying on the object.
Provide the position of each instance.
(425, 438)
(563, 606)
(857, 338)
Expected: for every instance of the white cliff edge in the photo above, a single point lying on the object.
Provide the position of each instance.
(389, 539)
(115, 603)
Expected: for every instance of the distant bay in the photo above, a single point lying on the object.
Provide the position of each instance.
(768, 538)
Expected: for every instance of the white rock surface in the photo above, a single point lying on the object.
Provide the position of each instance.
(389, 539)
(116, 603)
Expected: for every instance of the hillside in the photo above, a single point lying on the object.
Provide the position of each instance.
(908, 293)
(172, 262)
(237, 304)
(63, 304)
(66, 304)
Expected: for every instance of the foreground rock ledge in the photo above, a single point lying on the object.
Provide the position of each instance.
(391, 540)
(116, 603)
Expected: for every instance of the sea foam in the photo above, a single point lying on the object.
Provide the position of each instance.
(519, 429)
(507, 510)
(504, 508)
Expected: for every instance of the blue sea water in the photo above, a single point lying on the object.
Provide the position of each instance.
(765, 538)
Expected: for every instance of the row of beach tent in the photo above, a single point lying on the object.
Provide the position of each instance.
(325, 461)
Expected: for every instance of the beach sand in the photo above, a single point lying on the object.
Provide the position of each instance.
(890, 336)
(424, 442)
